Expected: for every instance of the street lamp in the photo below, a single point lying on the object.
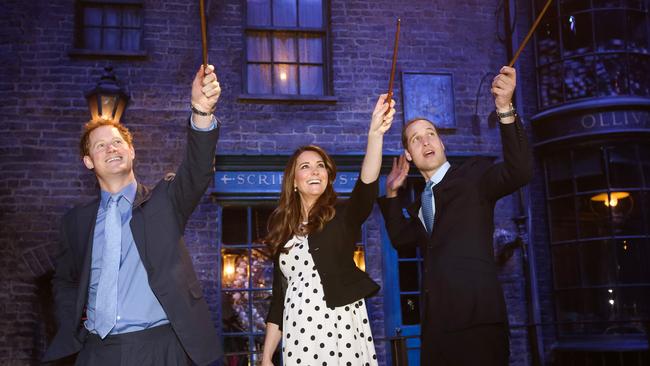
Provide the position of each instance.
(107, 100)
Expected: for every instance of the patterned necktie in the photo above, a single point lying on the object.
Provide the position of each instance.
(427, 206)
(106, 301)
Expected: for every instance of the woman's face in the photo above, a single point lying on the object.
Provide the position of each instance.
(310, 176)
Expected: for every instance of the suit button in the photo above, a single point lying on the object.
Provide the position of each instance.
(316, 249)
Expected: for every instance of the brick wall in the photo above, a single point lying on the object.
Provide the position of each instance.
(43, 109)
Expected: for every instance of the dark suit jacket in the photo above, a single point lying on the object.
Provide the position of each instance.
(332, 250)
(460, 288)
(158, 222)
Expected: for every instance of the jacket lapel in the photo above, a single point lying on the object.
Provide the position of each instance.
(86, 225)
(142, 195)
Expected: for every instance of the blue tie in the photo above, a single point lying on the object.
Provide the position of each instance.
(427, 206)
(106, 302)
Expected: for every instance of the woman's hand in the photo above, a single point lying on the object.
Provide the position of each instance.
(382, 117)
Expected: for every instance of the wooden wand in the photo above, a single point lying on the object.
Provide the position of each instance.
(389, 98)
(204, 35)
(530, 33)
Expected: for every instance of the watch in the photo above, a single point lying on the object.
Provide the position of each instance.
(512, 112)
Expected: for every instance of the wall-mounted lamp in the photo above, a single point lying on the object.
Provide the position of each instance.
(610, 199)
(107, 100)
(228, 272)
(360, 258)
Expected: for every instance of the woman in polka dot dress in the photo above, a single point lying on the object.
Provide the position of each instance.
(317, 307)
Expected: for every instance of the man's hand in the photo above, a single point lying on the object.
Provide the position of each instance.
(205, 90)
(503, 86)
(397, 176)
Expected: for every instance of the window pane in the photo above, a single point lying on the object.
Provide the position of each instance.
(598, 263)
(567, 6)
(410, 305)
(311, 13)
(639, 74)
(634, 304)
(234, 225)
(589, 171)
(610, 35)
(92, 38)
(260, 218)
(262, 269)
(579, 78)
(585, 305)
(562, 219)
(235, 317)
(633, 256)
(236, 344)
(644, 152)
(111, 17)
(594, 218)
(235, 268)
(258, 47)
(93, 16)
(131, 40)
(612, 75)
(259, 79)
(637, 31)
(284, 13)
(311, 80)
(131, 18)
(311, 48)
(566, 266)
(111, 39)
(558, 168)
(577, 33)
(261, 304)
(623, 167)
(259, 12)
(548, 41)
(408, 276)
(607, 3)
(550, 84)
(284, 79)
(284, 47)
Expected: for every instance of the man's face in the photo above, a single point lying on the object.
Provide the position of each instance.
(109, 154)
(425, 149)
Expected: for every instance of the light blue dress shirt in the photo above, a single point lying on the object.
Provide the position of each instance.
(435, 178)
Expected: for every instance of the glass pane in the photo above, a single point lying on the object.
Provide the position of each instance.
(633, 256)
(577, 33)
(111, 17)
(258, 47)
(284, 13)
(131, 40)
(623, 167)
(597, 258)
(634, 303)
(610, 35)
(594, 218)
(612, 75)
(131, 18)
(234, 271)
(284, 79)
(311, 80)
(607, 3)
(260, 217)
(111, 39)
(637, 32)
(234, 225)
(235, 344)
(408, 276)
(261, 303)
(589, 171)
(259, 12)
(262, 270)
(410, 309)
(568, 6)
(559, 174)
(550, 84)
(284, 47)
(566, 266)
(644, 152)
(92, 38)
(548, 40)
(259, 79)
(93, 16)
(562, 219)
(235, 318)
(311, 13)
(311, 48)
(591, 306)
(579, 78)
(639, 74)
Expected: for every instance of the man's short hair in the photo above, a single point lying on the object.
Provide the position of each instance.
(84, 148)
(405, 142)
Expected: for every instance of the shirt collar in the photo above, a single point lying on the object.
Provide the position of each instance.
(127, 192)
(440, 173)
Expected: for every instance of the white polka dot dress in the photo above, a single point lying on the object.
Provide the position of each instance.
(312, 333)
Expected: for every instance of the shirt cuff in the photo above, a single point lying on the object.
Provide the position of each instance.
(213, 125)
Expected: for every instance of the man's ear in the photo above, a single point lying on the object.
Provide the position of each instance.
(408, 155)
(88, 162)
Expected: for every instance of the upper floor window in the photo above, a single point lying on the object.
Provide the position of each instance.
(286, 43)
(109, 27)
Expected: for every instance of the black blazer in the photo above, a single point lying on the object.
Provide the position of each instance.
(460, 286)
(158, 222)
(332, 250)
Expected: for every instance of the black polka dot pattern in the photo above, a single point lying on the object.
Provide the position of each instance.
(311, 329)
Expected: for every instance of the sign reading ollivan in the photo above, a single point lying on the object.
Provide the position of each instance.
(235, 182)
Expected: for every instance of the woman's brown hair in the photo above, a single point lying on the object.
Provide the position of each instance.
(285, 221)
